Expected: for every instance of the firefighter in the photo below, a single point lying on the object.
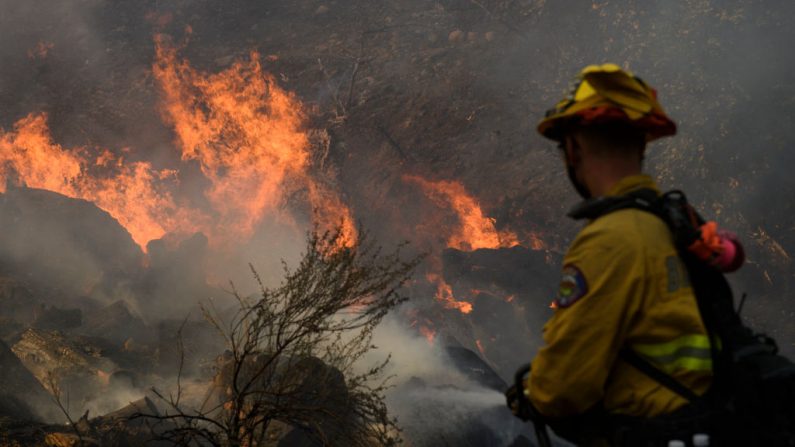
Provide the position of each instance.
(623, 286)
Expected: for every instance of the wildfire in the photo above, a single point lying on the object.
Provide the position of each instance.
(475, 230)
(244, 131)
(478, 293)
(331, 212)
(480, 347)
(41, 50)
(247, 135)
(133, 193)
(428, 333)
(536, 243)
(444, 293)
(423, 325)
(103, 376)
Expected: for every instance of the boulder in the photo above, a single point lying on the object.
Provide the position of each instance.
(116, 324)
(305, 382)
(175, 280)
(72, 363)
(51, 318)
(17, 302)
(474, 368)
(22, 397)
(143, 406)
(63, 246)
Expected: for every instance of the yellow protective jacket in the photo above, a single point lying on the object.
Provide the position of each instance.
(623, 286)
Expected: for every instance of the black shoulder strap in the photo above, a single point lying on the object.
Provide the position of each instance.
(662, 378)
(644, 199)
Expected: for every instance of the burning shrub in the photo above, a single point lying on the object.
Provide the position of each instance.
(291, 369)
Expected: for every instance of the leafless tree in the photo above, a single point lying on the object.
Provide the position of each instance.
(293, 365)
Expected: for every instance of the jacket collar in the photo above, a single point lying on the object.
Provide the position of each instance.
(615, 198)
(633, 183)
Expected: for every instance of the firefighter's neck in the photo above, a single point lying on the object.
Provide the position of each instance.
(600, 170)
(600, 174)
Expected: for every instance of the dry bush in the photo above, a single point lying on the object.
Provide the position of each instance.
(292, 369)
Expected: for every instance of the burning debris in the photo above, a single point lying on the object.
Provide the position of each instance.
(475, 230)
(509, 289)
(128, 191)
(248, 136)
(244, 131)
(444, 293)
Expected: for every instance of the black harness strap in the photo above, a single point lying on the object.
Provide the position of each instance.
(643, 199)
(662, 378)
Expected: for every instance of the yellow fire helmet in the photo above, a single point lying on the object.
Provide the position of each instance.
(607, 93)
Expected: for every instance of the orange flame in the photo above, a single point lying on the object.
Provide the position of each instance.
(428, 333)
(478, 292)
(480, 347)
(247, 135)
(425, 328)
(41, 50)
(475, 230)
(133, 193)
(332, 213)
(536, 243)
(244, 131)
(444, 293)
(103, 376)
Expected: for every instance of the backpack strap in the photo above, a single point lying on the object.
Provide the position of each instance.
(660, 377)
(644, 199)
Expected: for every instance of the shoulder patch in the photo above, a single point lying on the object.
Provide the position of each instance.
(572, 286)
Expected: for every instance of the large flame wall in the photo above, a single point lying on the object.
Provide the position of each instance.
(247, 134)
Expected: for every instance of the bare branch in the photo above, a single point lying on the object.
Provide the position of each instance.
(55, 388)
(293, 350)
